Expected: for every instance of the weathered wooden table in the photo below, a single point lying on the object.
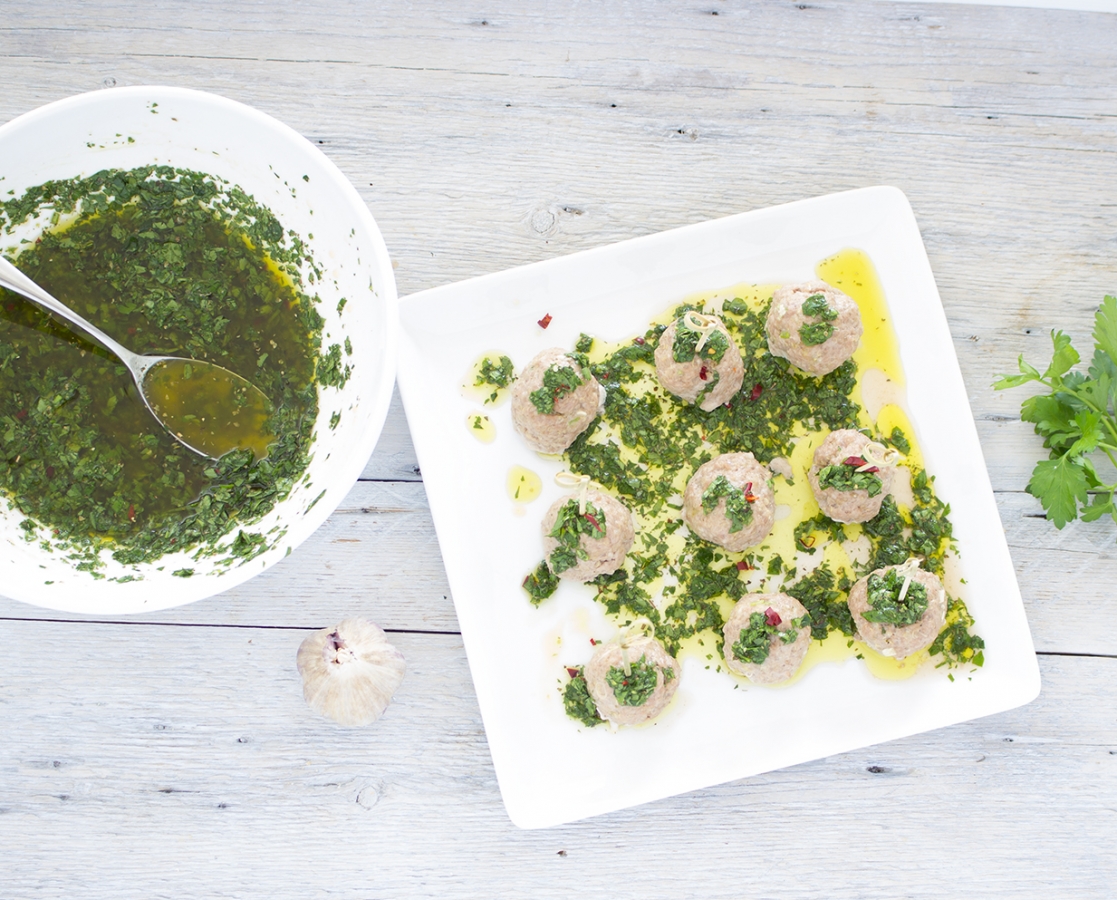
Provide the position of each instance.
(172, 756)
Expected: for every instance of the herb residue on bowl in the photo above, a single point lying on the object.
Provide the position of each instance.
(168, 261)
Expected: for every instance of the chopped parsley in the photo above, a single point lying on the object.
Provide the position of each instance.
(499, 374)
(331, 372)
(570, 525)
(805, 532)
(558, 381)
(885, 605)
(814, 333)
(738, 508)
(824, 597)
(633, 688)
(955, 642)
(685, 346)
(898, 440)
(576, 699)
(754, 642)
(845, 477)
(886, 534)
(540, 583)
(817, 307)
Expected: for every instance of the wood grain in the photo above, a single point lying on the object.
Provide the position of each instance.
(172, 755)
(165, 773)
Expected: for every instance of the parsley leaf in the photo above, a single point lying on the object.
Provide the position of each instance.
(1076, 418)
(1060, 485)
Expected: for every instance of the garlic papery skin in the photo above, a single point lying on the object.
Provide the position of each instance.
(350, 672)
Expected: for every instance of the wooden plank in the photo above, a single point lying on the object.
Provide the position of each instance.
(205, 774)
(394, 457)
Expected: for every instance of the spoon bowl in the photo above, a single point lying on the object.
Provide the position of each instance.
(204, 406)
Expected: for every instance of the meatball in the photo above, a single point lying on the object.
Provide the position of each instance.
(729, 501)
(637, 700)
(581, 545)
(785, 648)
(709, 376)
(898, 640)
(554, 400)
(814, 326)
(849, 495)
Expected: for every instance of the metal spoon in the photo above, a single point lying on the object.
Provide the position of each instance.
(203, 406)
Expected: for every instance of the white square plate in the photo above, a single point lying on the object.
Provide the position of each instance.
(551, 770)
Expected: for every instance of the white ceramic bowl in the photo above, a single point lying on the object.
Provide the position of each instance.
(124, 128)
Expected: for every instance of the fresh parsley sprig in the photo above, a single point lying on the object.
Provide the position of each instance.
(1077, 419)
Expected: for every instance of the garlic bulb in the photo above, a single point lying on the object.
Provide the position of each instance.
(350, 672)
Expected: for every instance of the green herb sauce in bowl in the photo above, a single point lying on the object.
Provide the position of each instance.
(187, 229)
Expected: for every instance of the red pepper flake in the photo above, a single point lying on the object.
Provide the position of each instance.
(749, 495)
(703, 374)
(639, 341)
(744, 565)
(573, 673)
(590, 518)
(131, 512)
(857, 462)
(21, 415)
(50, 471)
(593, 642)
(771, 617)
(757, 390)
(545, 321)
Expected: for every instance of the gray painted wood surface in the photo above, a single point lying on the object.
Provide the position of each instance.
(171, 755)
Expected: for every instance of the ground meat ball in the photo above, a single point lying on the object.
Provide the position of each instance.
(613, 655)
(740, 470)
(574, 411)
(605, 554)
(853, 505)
(786, 317)
(783, 659)
(900, 640)
(688, 380)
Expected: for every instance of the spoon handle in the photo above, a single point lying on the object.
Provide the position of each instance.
(14, 280)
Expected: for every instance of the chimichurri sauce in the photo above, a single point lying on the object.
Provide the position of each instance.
(155, 265)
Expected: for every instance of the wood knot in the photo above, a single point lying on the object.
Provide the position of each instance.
(368, 797)
(543, 221)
